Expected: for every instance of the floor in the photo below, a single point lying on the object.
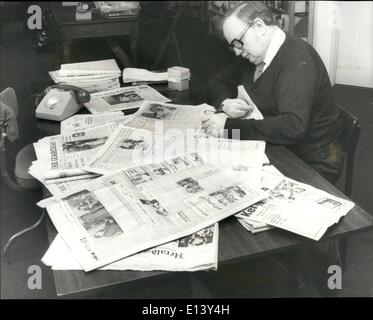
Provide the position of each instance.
(23, 69)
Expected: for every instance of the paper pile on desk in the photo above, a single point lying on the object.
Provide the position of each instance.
(92, 76)
(295, 206)
(268, 182)
(65, 155)
(198, 251)
(129, 211)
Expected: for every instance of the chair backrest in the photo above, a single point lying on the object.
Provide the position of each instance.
(349, 138)
(8, 96)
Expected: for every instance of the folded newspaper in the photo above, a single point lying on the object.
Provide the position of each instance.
(65, 155)
(198, 251)
(121, 214)
(295, 206)
(123, 99)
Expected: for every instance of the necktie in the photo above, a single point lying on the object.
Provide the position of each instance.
(258, 70)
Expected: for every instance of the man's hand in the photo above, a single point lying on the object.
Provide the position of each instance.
(236, 108)
(213, 124)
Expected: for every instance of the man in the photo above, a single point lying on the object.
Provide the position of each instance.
(287, 81)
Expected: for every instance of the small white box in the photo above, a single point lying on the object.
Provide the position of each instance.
(176, 74)
(179, 85)
(83, 16)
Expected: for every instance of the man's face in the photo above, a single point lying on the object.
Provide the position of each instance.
(254, 40)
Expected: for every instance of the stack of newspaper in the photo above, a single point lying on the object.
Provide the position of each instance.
(128, 211)
(198, 251)
(60, 158)
(92, 76)
(293, 206)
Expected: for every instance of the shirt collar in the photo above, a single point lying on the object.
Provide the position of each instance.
(275, 44)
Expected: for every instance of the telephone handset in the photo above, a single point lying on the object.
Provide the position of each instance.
(61, 101)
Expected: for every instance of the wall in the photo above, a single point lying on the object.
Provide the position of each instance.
(325, 33)
(355, 44)
(343, 36)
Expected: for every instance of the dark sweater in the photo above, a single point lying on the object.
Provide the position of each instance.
(293, 94)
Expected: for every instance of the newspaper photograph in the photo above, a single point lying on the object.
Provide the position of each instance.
(65, 155)
(123, 99)
(111, 218)
(198, 251)
(299, 208)
(80, 122)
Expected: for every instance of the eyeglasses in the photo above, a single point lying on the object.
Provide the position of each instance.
(237, 42)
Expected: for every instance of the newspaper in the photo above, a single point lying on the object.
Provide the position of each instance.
(128, 147)
(118, 215)
(161, 117)
(94, 85)
(186, 121)
(198, 251)
(61, 185)
(123, 99)
(298, 207)
(65, 155)
(82, 122)
(270, 178)
(253, 227)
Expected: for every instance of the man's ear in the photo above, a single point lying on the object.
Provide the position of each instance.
(260, 27)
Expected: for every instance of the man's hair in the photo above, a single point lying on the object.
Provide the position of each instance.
(248, 11)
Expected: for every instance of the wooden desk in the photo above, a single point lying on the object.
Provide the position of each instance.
(235, 243)
(70, 28)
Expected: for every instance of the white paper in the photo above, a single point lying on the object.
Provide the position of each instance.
(136, 75)
(243, 95)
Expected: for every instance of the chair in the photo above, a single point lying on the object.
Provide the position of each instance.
(349, 138)
(21, 180)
